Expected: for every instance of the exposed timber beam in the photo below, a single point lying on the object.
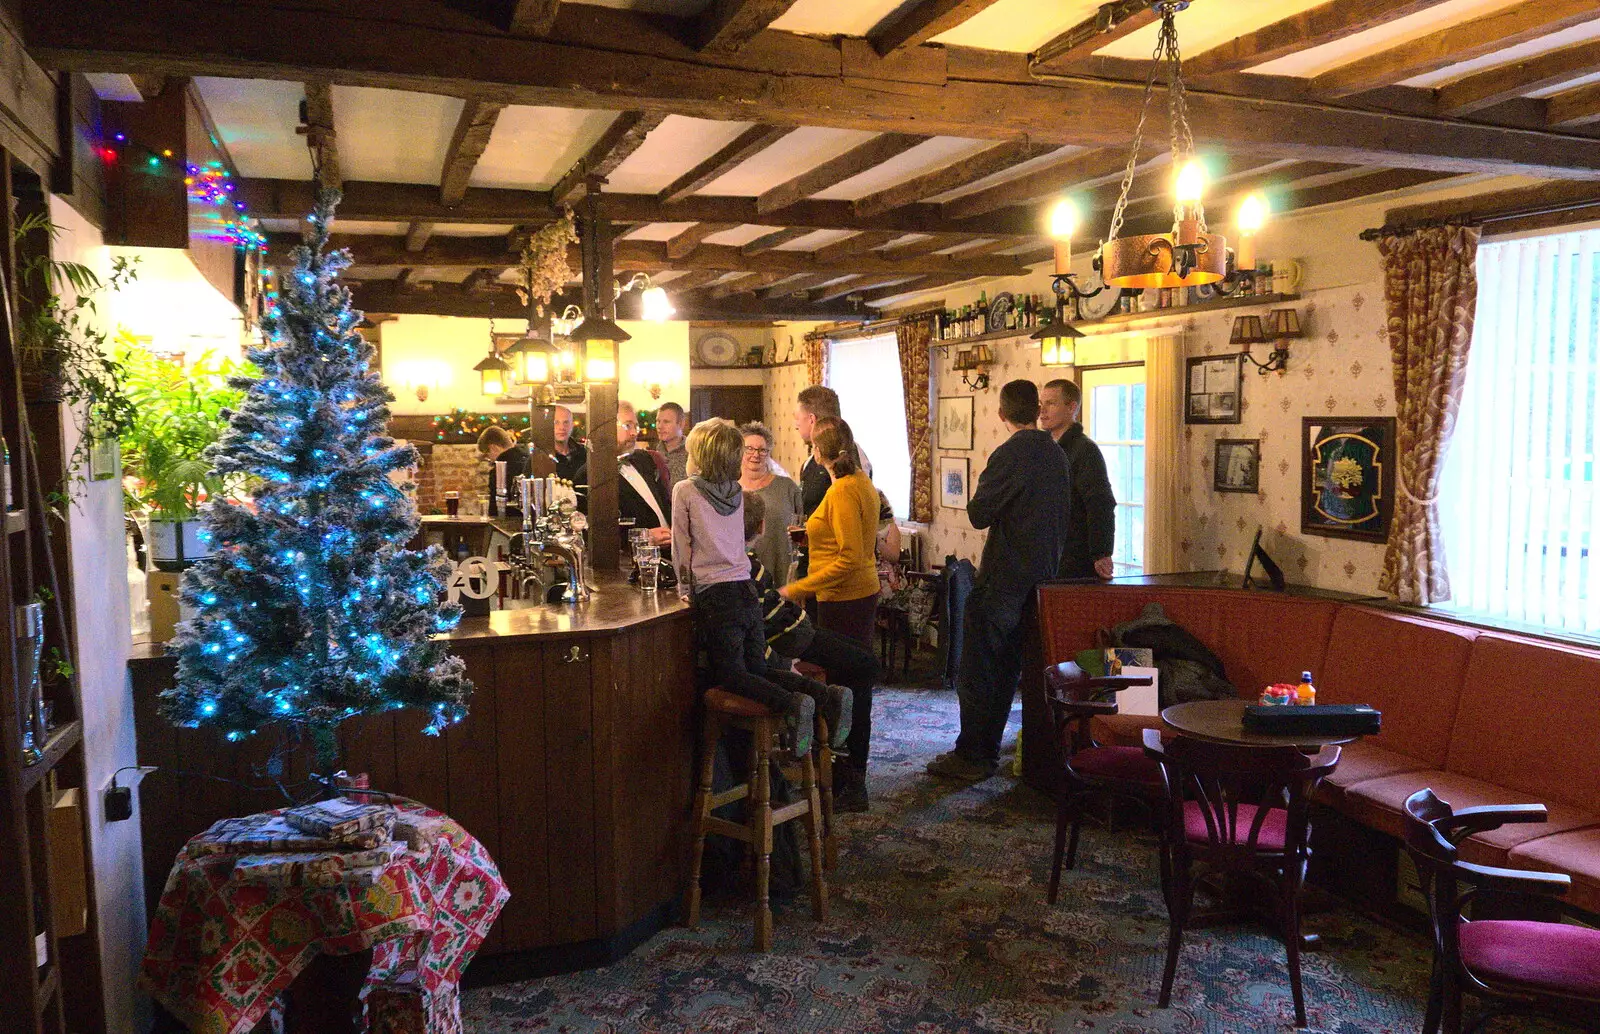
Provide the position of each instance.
(409, 202)
(603, 59)
(417, 235)
(768, 241)
(1504, 82)
(651, 256)
(728, 25)
(684, 244)
(382, 296)
(747, 284)
(1325, 24)
(1465, 41)
(1107, 25)
(692, 279)
(1499, 204)
(798, 285)
(914, 24)
(951, 177)
(316, 125)
(467, 143)
(836, 170)
(745, 146)
(927, 245)
(858, 244)
(917, 286)
(856, 287)
(1088, 169)
(532, 17)
(624, 136)
(1575, 107)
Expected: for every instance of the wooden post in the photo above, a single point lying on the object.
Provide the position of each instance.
(600, 300)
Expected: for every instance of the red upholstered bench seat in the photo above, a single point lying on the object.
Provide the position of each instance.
(1480, 717)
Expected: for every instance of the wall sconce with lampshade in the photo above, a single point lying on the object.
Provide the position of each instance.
(973, 365)
(1279, 326)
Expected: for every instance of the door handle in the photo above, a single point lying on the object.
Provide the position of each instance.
(574, 655)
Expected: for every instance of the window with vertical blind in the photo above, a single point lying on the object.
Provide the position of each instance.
(1518, 500)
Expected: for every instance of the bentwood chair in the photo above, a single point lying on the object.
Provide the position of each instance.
(1546, 969)
(1090, 769)
(1240, 812)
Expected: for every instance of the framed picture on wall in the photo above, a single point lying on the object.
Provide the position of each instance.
(1347, 477)
(953, 488)
(1211, 393)
(1236, 467)
(955, 422)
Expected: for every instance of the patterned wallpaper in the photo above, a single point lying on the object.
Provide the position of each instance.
(783, 387)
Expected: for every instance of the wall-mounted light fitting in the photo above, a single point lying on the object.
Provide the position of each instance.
(1279, 326)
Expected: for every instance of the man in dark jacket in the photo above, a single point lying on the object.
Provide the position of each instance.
(1019, 500)
(498, 444)
(1092, 508)
(641, 496)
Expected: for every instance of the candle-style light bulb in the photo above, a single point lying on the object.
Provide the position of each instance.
(1191, 182)
(1252, 217)
(655, 306)
(1063, 224)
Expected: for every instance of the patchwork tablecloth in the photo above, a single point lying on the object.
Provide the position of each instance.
(221, 950)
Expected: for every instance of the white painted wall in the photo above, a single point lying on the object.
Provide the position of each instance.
(99, 575)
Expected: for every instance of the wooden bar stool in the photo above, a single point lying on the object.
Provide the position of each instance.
(724, 709)
(821, 746)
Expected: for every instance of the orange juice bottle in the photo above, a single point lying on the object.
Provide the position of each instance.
(1305, 694)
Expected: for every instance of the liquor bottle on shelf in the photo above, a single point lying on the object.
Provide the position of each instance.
(982, 314)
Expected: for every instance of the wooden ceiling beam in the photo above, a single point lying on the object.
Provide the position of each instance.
(747, 284)
(798, 285)
(650, 256)
(602, 59)
(417, 235)
(836, 170)
(857, 244)
(855, 288)
(684, 244)
(383, 296)
(927, 246)
(914, 24)
(408, 202)
(322, 140)
(951, 177)
(1502, 203)
(692, 279)
(745, 146)
(1325, 24)
(768, 241)
(1453, 44)
(1505, 82)
(727, 25)
(1079, 171)
(925, 283)
(1107, 25)
(467, 144)
(624, 136)
(532, 17)
(1578, 107)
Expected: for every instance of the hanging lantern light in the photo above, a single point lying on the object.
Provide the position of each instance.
(1190, 255)
(494, 371)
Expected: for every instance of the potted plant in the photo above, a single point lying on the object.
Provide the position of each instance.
(179, 412)
(62, 346)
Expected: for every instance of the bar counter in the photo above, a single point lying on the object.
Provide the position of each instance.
(574, 768)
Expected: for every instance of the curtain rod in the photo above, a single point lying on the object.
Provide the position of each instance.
(1475, 219)
(867, 328)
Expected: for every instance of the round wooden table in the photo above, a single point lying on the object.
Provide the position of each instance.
(1222, 721)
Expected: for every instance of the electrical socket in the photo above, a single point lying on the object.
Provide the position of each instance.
(119, 803)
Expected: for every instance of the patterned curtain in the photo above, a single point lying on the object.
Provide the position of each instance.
(914, 335)
(1431, 295)
(817, 360)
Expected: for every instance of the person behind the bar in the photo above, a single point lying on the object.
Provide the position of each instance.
(641, 497)
(571, 456)
(496, 443)
(671, 424)
(1019, 499)
(714, 576)
(790, 637)
(1092, 507)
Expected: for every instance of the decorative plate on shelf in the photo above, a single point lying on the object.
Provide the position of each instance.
(1000, 307)
(716, 350)
(1101, 305)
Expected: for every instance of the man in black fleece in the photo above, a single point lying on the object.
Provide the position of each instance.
(1019, 500)
(1092, 508)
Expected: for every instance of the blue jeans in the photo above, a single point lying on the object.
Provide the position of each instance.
(991, 667)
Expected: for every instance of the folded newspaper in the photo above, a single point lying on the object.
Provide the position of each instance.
(341, 818)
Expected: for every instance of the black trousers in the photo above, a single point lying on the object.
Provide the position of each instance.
(727, 622)
(991, 667)
(848, 663)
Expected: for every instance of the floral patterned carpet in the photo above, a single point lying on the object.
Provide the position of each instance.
(939, 926)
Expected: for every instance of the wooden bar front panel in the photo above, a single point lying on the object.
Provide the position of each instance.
(573, 768)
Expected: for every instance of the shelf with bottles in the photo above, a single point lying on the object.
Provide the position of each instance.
(1118, 318)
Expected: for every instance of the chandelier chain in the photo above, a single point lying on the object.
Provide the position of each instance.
(1138, 132)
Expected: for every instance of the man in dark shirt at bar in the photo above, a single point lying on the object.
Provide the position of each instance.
(1019, 500)
(1092, 508)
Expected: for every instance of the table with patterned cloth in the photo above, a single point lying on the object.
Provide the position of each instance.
(222, 950)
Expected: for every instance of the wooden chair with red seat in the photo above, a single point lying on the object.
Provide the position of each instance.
(1090, 769)
(1546, 969)
(723, 710)
(1237, 811)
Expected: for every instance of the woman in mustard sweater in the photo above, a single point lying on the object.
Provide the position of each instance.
(842, 534)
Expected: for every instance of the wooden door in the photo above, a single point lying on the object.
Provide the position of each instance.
(740, 403)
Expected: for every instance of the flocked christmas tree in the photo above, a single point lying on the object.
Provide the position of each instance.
(310, 609)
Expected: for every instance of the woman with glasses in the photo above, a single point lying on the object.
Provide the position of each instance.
(760, 475)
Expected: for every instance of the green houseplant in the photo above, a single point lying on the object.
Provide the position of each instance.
(178, 413)
(63, 346)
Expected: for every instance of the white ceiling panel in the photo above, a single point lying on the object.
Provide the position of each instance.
(836, 18)
(680, 8)
(739, 235)
(1206, 25)
(672, 149)
(925, 157)
(1555, 41)
(1307, 63)
(1020, 26)
(256, 119)
(1564, 87)
(371, 149)
(532, 147)
(1015, 172)
(814, 240)
(804, 149)
(656, 231)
